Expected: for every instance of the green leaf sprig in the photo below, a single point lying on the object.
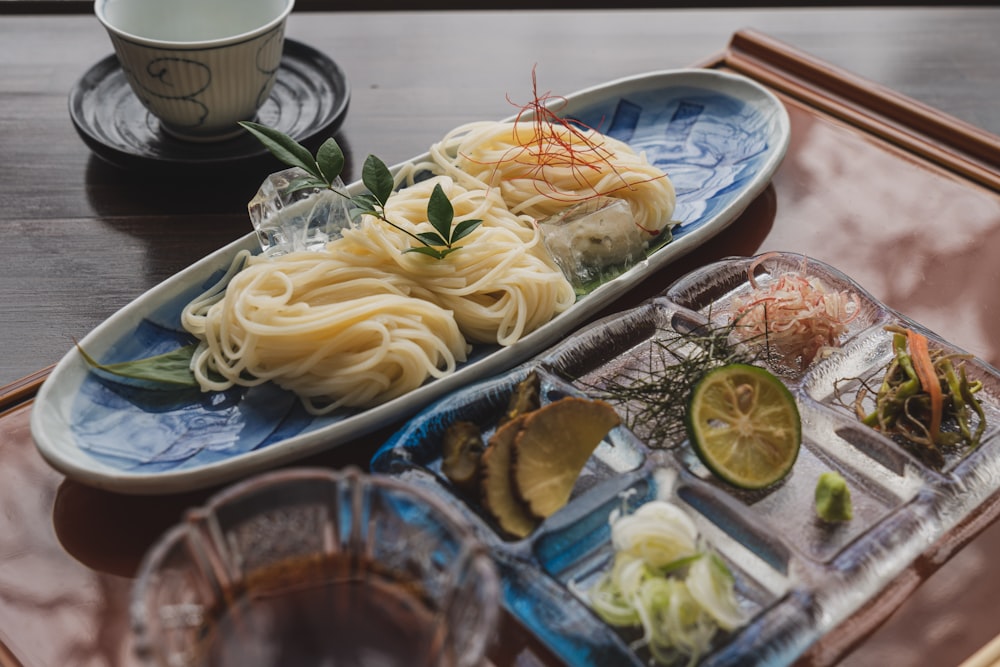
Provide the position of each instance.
(171, 368)
(328, 163)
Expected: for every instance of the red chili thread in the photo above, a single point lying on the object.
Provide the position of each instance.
(549, 146)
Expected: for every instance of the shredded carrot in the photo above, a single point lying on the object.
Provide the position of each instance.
(924, 367)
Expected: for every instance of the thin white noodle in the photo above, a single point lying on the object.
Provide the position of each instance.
(501, 285)
(538, 176)
(370, 343)
(363, 321)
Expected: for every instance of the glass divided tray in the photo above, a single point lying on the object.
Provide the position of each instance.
(796, 576)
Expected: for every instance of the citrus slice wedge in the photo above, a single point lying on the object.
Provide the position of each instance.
(744, 425)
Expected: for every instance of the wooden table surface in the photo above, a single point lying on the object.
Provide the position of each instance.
(82, 238)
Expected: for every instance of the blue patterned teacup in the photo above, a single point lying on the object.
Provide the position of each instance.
(199, 66)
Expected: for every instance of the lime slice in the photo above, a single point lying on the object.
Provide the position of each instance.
(744, 425)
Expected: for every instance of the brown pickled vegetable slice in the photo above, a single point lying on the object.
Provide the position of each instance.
(526, 397)
(498, 493)
(552, 447)
(461, 455)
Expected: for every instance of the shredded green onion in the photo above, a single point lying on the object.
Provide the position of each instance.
(666, 582)
(658, 532)
(713, 586)
(677, 626)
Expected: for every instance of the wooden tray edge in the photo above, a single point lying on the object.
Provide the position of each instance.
(874, 109)
(23, 390)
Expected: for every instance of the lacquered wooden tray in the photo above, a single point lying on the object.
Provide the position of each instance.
(863, 164)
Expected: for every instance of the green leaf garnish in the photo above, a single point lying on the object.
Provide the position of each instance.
(171, 368)
(305, 183)
(440, 212)
(330, 160)
(429, 251)
(365, 202)
(432, 238)
(326, 167)
(286, 149)
(377, 178)
(463, 229)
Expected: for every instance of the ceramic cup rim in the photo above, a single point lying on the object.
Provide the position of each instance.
(99, 12)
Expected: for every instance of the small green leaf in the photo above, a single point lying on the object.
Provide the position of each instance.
(366, 203)
(328, 165)
(171, 368)
(284, 147)
(330, 159)
(682, 562)
(440, 212)
(721, 568)
(432, 239)
(305, 183)
(463, 229)
(427, 250)
(377, 178)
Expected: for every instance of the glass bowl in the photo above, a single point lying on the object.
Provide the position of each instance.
(317, 567)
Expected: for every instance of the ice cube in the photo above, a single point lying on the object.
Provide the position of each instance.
(594, 240)
(287, 218)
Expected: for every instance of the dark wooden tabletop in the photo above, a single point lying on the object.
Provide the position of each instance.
(81, 237)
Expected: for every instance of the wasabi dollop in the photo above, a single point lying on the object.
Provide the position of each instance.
(833, 498)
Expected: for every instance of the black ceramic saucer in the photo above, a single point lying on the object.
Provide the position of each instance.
(309, 98)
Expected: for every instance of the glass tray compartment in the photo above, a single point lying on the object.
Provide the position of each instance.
(797, 577)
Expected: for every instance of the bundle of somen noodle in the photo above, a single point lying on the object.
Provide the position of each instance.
(361, 321)
(364, 320)
(541, 167)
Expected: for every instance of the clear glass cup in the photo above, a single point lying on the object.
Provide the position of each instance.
(317, 567)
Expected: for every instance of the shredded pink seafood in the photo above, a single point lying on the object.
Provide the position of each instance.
(796, 312)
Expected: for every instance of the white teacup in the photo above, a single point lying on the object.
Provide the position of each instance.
(199, 66)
